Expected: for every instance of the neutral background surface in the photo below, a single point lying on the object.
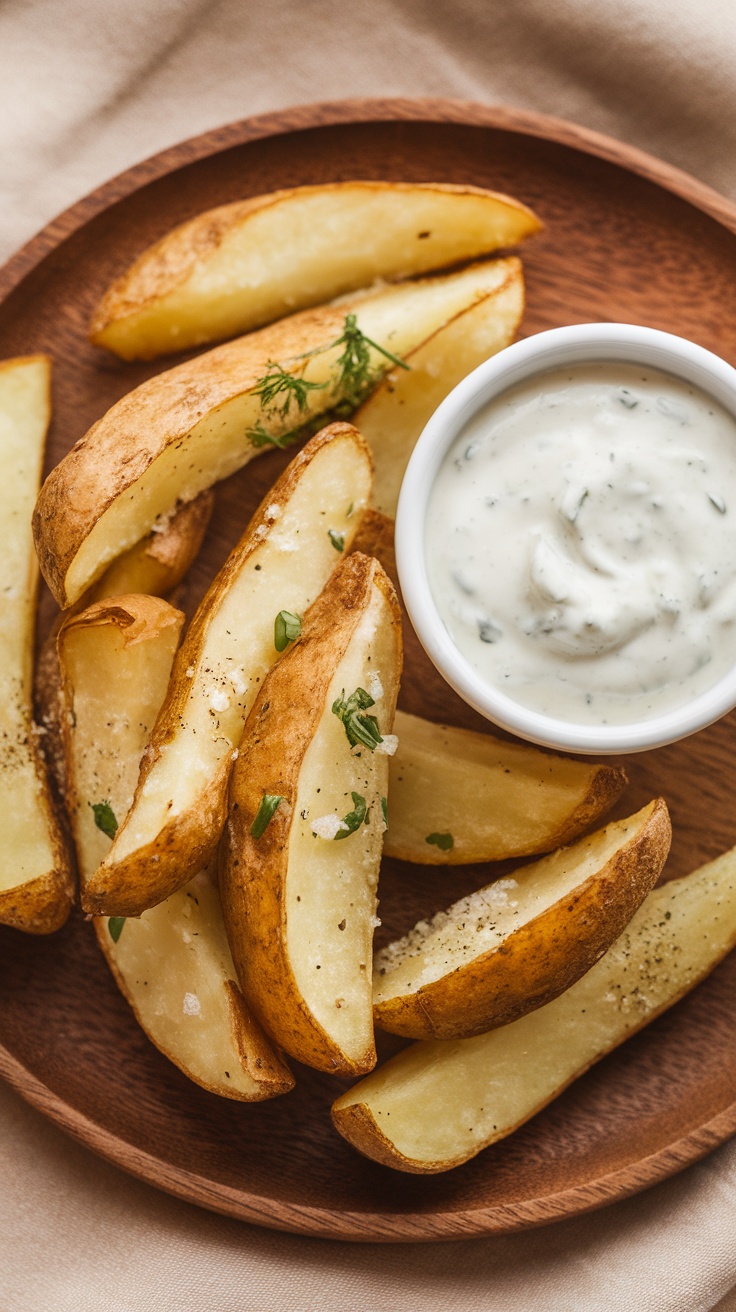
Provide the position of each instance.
(88, 87)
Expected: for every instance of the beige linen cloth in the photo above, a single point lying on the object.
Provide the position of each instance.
(88, 87)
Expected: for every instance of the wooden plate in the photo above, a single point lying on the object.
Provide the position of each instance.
(626, 238)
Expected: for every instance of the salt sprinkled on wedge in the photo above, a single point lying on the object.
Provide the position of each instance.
(328, 826)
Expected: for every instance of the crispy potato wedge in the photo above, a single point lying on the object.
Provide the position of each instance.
(437, 1104)
(185, 429)
(375, 537)
(519, 942)
(394, 415)
(115, 660)
(299, 905)
(486, 799)
(283, 560)
(36, 883)
(173, 965)
(234, 268)
(155, 565)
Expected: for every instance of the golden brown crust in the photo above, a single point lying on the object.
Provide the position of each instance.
(545, 956)
(155, 566)
(187, 842)
(138, 616)
(42, 905)
(606, 786)
(120, 447)
(253, 872)
(375, 537)
(264, 1063)
(358, 1125)
(167, 264)
(157, 563)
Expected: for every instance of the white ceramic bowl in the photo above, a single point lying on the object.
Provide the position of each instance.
(561, 347)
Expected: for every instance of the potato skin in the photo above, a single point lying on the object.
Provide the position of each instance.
(168, 264)
(544, 957)
(261, 1060)
(118, 449)
(187, 842)
(253, 873)
(358, 1125)
(42, 905)
(153, 567)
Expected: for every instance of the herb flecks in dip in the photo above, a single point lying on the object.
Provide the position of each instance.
(581, 543)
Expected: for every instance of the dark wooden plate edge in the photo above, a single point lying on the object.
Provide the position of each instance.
(275, 1214)
(368, 1227)
(362, 110)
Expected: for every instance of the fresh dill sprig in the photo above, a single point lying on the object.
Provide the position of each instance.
(280, 382)
(353, 378)
(356, 377)
(259, 436)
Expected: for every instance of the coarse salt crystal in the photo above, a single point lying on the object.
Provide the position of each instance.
(388, 746)
(375, 687)
(328, 826)
(192, 1005)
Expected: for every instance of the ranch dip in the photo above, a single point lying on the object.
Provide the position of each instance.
(581, 543)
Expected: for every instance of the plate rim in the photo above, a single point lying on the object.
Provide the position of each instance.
(368, 1227)
(361, 109)
(193, 1188)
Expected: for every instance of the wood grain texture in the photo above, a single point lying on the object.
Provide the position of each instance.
(626, 237)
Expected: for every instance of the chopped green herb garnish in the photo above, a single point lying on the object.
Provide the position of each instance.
(337, 539)
(384, 809)
(265, 813)
(105, 818)
(445, 842)
(352, 380)
(359, 727)
(260, 437)
(356, 377)
(286, 629)
(349, 510)
(354, 819)
(115, 927)
(279, 382)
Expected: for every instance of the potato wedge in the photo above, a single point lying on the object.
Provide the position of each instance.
(519, 942)
(234, 268)
(158, 563)
(36, 883)
(299, 905)
(173, 965)
(375, 537)
(394, 415)
(437, 1104)
(283, 560)
(488, 799)
(185, 429)
(155, 566)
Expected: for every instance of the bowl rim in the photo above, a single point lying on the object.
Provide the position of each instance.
(556, 347)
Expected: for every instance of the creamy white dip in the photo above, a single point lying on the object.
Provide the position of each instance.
(581, 543)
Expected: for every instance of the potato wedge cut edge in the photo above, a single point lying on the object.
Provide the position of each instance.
(518, 943)
(437, 1104)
